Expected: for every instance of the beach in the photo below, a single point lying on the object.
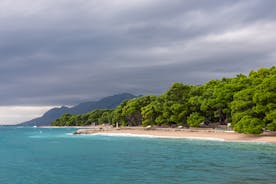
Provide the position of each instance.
(202, 134)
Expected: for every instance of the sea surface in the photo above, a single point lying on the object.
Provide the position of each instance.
(55, 156)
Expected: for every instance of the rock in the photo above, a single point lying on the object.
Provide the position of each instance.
(85, 131)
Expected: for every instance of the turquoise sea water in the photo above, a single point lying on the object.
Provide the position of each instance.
(54, 156)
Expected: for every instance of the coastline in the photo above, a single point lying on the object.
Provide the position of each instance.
(74, 127)
(199, 134)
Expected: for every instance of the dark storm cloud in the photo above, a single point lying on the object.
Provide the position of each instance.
(63, 52)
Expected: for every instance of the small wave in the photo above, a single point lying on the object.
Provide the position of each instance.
(21, 127)
(205, 138)
(37, 136)
(126, 135)
(69, 134)
(251, 142)
(154, 136)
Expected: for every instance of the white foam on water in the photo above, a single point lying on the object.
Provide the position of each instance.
(37, 136)
(125, 135)
(205, 138)
(152, 136)
(177, 137)
(250, 142)
(69, 134)
(155, 136)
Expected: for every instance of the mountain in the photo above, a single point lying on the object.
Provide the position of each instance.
(105, 103)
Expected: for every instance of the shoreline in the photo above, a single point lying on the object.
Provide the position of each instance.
(194, 134)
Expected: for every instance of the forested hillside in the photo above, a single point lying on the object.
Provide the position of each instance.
(109, 102)
(248, 102)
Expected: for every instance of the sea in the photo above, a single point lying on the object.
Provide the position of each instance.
(56, 156)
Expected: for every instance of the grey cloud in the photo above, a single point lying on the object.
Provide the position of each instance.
(61, 53)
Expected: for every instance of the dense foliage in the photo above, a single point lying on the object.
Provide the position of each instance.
(248, 102)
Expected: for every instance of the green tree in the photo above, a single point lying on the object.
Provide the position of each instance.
(132, 110)
(117, 115)
(250, 125)
(195, 119)
(249, 102)
(106, 117)
(149, 114)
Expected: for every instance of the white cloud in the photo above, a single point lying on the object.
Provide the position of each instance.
(17, 114)
(260, 32)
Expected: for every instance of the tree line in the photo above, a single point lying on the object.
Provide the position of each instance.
(247, 102)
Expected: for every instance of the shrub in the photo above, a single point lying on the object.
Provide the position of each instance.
(271, 126)
(249, 125)
(195, 119)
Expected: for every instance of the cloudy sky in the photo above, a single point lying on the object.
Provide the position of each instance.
(62, 52)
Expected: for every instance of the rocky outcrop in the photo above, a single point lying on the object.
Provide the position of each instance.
(86, 131)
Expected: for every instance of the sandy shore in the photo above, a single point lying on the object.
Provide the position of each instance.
(79, 127)
(208, 134)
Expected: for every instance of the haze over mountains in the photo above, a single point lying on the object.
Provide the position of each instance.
(109, 102)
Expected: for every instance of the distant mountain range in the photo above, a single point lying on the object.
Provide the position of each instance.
(105, 103)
